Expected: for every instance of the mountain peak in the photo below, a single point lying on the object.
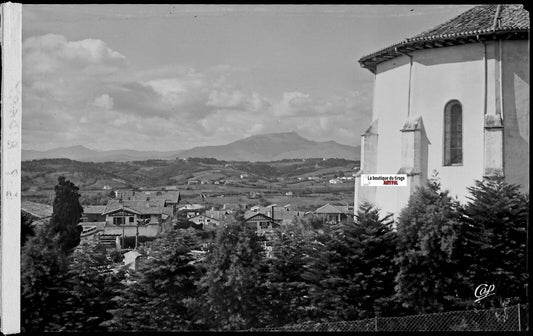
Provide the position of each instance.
(272, 147)
(291, 134)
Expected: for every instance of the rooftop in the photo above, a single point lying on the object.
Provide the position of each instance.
(37, 210)
(334, 209)
(94, 209)
(250, 214)
(139, 207)
(479, 23)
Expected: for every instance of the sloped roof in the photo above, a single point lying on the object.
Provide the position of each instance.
(250, 215)
(37, 210)
(140, 207)
(94, 209)
(331, 209)
(287, 214)
(170, 196)
(478, 23)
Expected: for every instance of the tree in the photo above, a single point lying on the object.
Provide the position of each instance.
(63, 292)
(162, 296)
(26, 228)
(371, 243)
(66, 215)
(288, 298)
(231, 285)
(43, 269)
(427, 230)
(89, 287)
(353, 270)
(492, 244)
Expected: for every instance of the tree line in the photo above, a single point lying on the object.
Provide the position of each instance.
(430, 260)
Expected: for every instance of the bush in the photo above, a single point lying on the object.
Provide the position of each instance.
(129, 242)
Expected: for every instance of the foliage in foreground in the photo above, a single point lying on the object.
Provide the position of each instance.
(157, 298)
(427, 230)
(439, 252)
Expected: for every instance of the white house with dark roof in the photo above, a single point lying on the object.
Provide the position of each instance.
(453, 99)
(123, 216)
(206, 221)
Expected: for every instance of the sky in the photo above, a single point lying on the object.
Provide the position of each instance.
(172, 77)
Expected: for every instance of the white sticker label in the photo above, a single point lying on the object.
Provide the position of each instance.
(384, 180)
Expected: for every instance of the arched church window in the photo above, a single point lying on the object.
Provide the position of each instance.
(453, 134)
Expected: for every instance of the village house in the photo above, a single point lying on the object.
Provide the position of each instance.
(206, 221)
(452, 100)
(219, 215)
(255, 208)
(171, 198)
(124, 217)
(280, 214)
(93, 220)
(334, 213)
(94, 213)
(262, 224)
(124, 193)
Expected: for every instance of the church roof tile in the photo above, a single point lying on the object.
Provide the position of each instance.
(482, 21)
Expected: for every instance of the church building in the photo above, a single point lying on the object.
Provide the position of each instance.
(452, 100)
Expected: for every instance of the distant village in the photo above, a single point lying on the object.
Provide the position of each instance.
(150, 213)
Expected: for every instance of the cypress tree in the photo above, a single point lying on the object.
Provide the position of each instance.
(66, 215)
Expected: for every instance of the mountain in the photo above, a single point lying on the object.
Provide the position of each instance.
(273, 147)
(264, 147)
(81, 153)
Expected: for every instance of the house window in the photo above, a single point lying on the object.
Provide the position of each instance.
(118, 220)
(131, 219)
(453, 134)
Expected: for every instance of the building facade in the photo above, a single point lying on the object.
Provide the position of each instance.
(124, 217)
(453, 100)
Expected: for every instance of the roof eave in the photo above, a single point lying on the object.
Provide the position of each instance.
(371, 61)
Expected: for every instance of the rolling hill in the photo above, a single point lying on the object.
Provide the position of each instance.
(264, 147)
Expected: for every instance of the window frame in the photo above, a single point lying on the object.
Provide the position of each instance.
(446, 149)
